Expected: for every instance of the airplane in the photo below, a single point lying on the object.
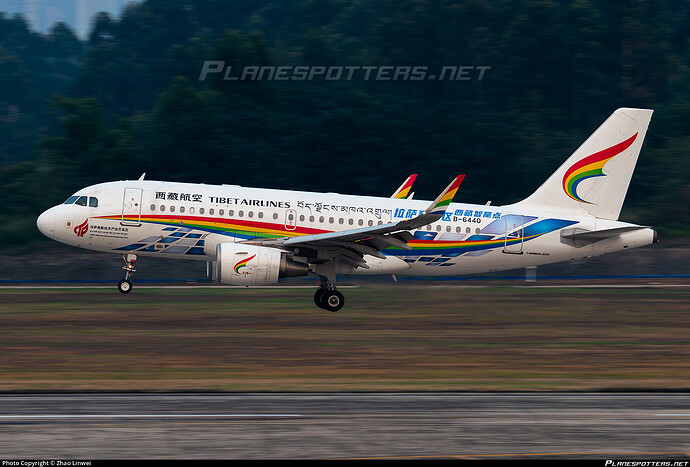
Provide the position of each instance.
(256, 236)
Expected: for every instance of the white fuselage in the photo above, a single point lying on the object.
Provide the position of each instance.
(182, 220)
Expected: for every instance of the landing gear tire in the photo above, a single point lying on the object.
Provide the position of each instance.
(318, 298)
(332, 300)
(124, 286)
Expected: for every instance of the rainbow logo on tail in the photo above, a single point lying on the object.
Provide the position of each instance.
(591, 166)
(242, 263)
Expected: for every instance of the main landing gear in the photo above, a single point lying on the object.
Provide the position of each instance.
(327, 296)
(125, 285)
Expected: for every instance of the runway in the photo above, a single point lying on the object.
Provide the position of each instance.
(346, 426)
(443, 285)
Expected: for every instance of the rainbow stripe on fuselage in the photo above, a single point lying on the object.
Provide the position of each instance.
(245, 229)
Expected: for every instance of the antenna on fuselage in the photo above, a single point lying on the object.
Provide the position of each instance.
(142, 176)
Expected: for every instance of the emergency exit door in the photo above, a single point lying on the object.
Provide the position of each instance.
(514, 234)
(131, 207)
(290, 219)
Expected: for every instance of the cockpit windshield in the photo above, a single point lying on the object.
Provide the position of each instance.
(82, 201)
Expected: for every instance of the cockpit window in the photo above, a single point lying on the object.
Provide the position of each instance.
(71, 200)
(81, 201)
(93, 202)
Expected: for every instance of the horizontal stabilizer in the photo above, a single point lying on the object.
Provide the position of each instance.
(581, 237)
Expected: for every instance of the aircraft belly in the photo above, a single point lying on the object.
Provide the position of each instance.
(167, 241)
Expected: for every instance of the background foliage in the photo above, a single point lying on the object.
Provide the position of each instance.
(129, 99)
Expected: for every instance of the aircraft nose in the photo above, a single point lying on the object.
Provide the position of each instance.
(46, 223)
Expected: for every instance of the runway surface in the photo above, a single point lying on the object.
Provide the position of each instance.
(331, 426)
(637, 285)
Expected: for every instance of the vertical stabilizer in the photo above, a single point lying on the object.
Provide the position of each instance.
(595, 179)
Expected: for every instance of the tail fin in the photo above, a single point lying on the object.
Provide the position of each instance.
(595, 179)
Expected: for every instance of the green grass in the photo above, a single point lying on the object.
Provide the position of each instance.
(392, 338)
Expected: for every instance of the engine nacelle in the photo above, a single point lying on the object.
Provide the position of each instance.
(242, 264)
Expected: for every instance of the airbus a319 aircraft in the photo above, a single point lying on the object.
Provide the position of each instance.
(255, 236)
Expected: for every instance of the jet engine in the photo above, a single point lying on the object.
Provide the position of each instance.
(242, 264)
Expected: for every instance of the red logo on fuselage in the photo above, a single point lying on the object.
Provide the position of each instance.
(81, 229)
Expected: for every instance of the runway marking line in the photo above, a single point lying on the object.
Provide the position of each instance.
(481, 456)
(84, 416)
(142, 424)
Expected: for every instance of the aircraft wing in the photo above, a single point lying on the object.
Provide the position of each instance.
(370, 240)
(404, 191)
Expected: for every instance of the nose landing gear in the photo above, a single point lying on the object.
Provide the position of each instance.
(327, 296)
(125, 285)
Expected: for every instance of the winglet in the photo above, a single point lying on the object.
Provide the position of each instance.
(404, 190)
(439, 205)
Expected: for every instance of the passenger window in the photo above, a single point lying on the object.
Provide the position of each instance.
(201, 210)
(93, 202)
(162, 208)
(221, 212)
(153, 207)
(172, 208)
(81, 201)
(182, 209)
(231, 213)
(71, 200)
(210, 211)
